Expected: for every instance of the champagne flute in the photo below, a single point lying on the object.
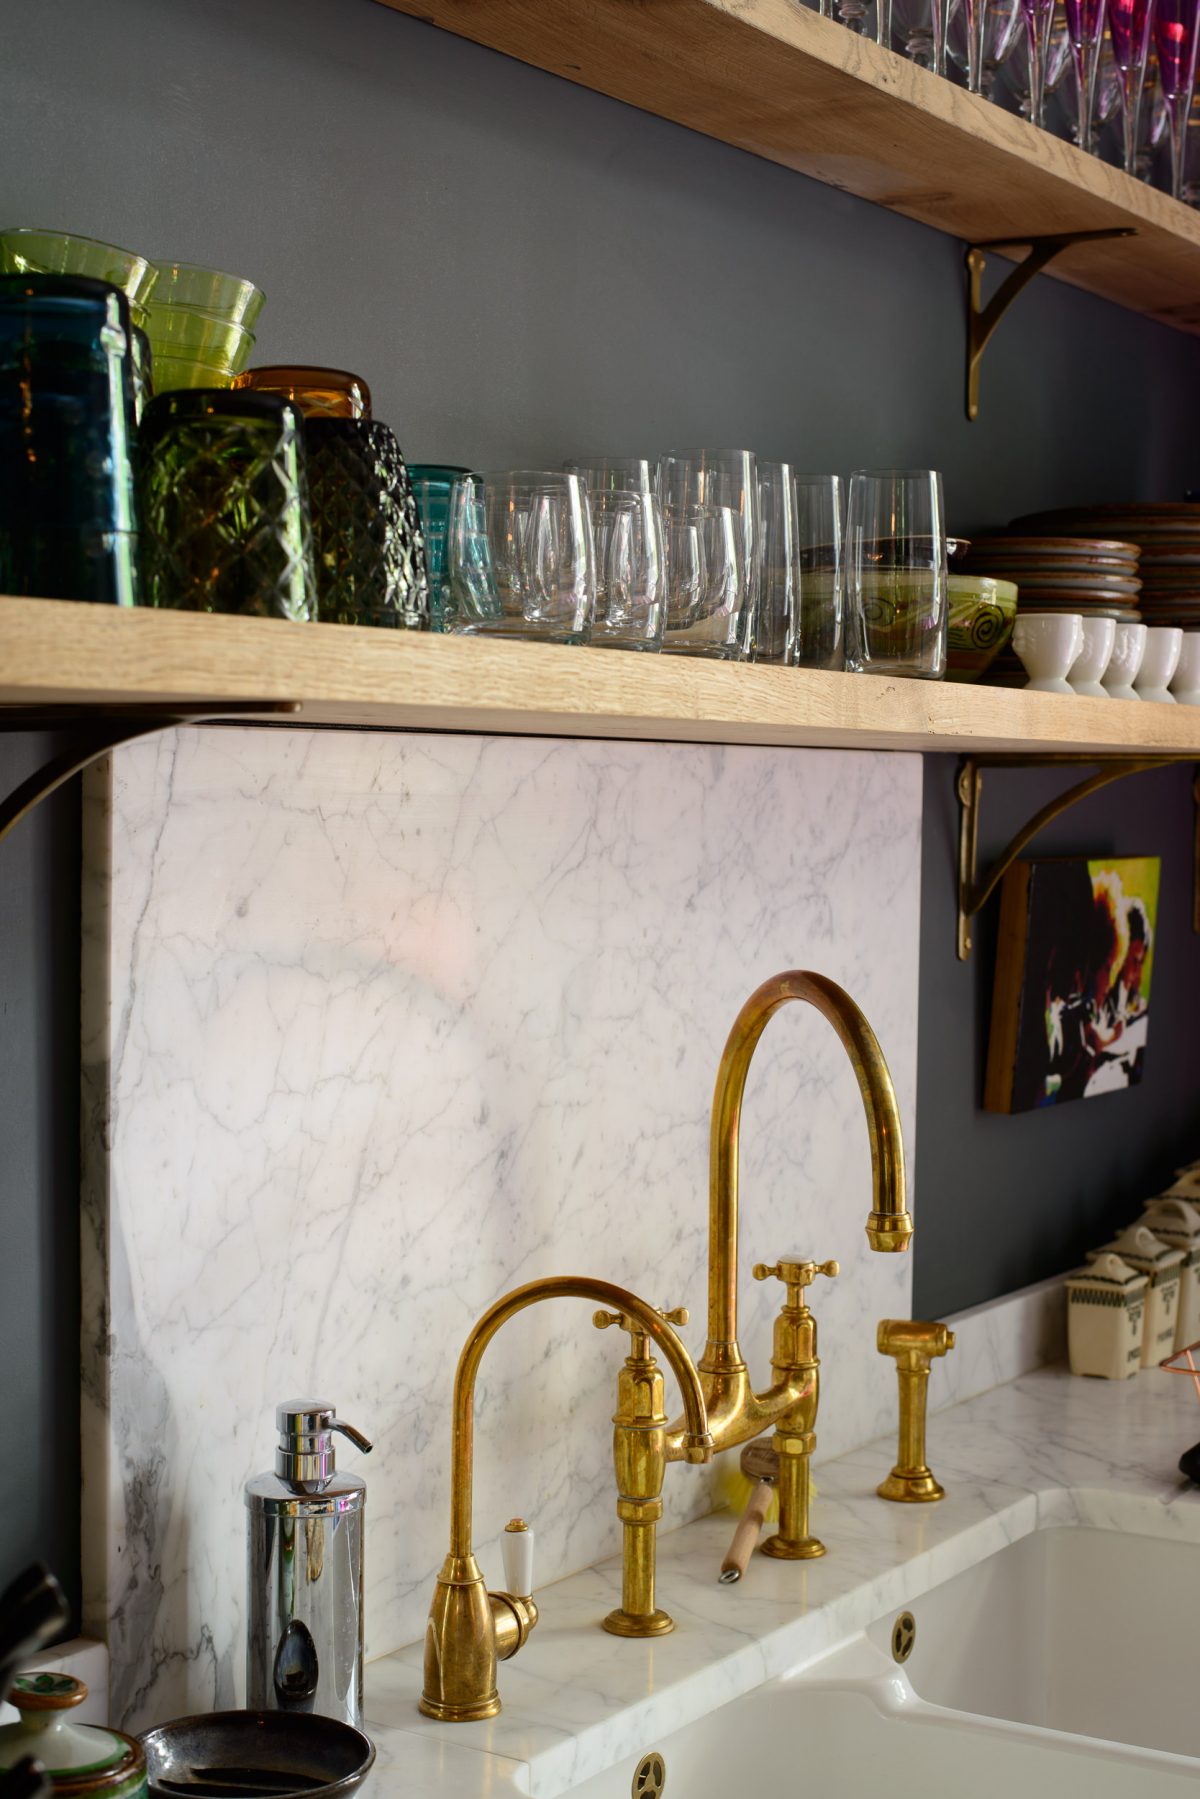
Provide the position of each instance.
(982, 35)
(1085, 23)
(1039, 22)
(1175, 39)
(1129, 27)
(922, 26)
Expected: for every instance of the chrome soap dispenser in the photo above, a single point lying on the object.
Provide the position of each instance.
(304, 1571)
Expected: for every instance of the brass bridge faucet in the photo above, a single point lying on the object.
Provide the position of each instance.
(640, 1458)
(470, 1629)
(735, 1411)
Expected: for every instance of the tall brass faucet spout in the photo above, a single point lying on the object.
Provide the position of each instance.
(470, 1629)
(889, 1225)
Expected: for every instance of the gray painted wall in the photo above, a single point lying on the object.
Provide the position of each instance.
(522, 270)
(1002, 1201)
(39, 1174)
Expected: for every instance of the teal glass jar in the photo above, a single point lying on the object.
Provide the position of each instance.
(225, 505)
(68, 502)
(431, 484)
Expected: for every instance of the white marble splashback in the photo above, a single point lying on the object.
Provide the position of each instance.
(1000, 1341)
(377, 1027)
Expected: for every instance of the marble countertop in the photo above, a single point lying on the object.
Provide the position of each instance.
(1045, 1449)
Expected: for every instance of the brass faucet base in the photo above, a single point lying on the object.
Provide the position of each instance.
(785, 1550)
(625, 1624)
(911, 1489)
(460, 1714)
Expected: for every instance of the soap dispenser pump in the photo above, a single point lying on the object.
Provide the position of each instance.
(304, 1571)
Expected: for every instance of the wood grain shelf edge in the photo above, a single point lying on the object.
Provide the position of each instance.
(62, 654)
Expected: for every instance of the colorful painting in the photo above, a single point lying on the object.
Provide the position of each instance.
(1071, 1008)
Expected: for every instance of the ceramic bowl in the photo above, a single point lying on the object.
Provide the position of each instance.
(1129, 646)
(1164, 645)
(981, 613)
(1099, 635)
(1186, 684)
(1048, 644)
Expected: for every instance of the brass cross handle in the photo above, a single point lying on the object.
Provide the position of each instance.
(795, 1274)
(602, 1320)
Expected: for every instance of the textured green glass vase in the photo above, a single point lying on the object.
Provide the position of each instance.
(367, 539)
(225, 505)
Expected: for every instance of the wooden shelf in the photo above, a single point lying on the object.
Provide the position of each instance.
(56, 654)
(774, 78)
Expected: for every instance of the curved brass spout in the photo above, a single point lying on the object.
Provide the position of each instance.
(889, 1226)
(562, 1286)
(735, 1412)
(469, 1629)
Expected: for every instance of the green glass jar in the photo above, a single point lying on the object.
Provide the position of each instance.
(368, 544)
(225, 510)
(83, 1761)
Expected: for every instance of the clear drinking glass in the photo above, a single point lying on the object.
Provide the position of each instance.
(706, 582)
(631, 572)
(896, 559)
(1129, 29)
(631, 578)
(819, 515)
(779, 565)
(704, 495)
(1175, 38)
(614, 474)
(800, 591)
(521, 559)
(1085, 24)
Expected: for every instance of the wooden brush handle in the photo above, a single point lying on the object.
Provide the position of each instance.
(746, 1535)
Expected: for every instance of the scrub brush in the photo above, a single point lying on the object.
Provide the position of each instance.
(751, 1490)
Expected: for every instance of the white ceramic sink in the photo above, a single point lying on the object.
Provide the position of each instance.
(1058, 1666)
(1088, 1631)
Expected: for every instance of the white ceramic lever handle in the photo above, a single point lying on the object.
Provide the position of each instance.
(518, 1558)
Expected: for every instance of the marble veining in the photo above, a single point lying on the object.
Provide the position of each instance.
(1001, 1340)
(378, 1026)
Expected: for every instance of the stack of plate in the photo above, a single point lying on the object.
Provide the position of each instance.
(1168, 536)
(1090, 575)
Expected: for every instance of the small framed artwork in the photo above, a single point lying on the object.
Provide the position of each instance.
(1071, 1005)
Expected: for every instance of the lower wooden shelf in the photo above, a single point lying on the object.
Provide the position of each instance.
(56, 654)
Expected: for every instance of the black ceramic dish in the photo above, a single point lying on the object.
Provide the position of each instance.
(256, 1755)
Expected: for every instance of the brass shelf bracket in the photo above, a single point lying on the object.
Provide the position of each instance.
(982, 320)
(974, 894)
(95, 733)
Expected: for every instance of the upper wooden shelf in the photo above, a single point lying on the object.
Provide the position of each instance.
(56, 654)
(774, 78)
